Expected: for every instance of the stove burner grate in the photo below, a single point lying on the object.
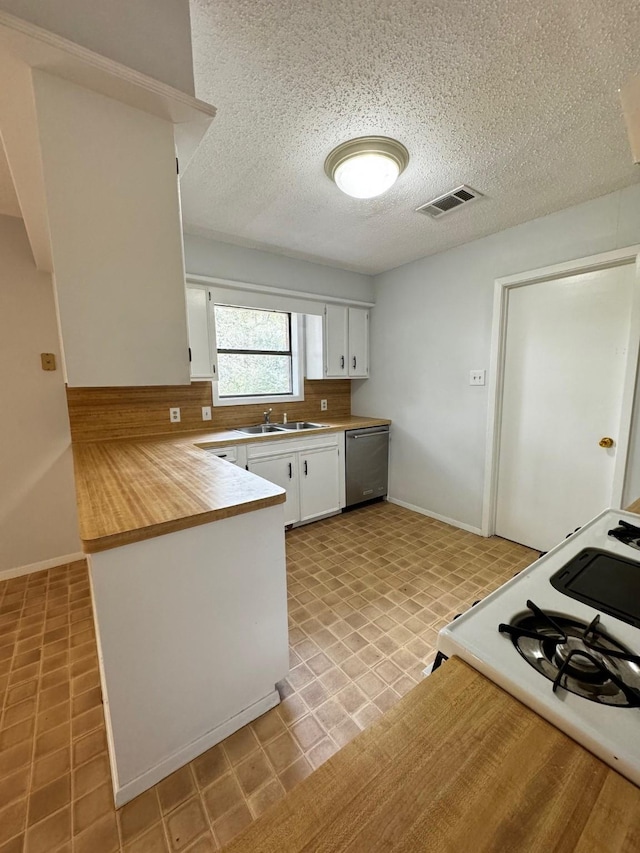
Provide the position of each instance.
(578, 657)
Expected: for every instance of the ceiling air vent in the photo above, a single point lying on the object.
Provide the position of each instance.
(437, 207)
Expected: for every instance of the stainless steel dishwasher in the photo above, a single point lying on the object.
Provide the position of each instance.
(366, 464)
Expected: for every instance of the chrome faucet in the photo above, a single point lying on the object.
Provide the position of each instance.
(267, 416)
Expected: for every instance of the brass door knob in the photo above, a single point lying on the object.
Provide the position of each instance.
(606, 442)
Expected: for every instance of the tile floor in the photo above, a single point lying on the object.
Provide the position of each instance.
(368, 592)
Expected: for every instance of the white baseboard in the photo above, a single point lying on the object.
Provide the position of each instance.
(452, 521)
(122, 794)
(53, 563)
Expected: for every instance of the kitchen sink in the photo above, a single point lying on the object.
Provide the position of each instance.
(298, 425)
(294, 426)
(260, 429)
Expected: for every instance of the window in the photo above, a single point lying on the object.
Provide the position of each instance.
(257, 355)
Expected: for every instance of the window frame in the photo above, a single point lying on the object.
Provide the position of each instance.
(297, 366)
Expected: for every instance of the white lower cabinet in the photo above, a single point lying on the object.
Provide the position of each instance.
(311, 471)
(319, 482)
(282, 471)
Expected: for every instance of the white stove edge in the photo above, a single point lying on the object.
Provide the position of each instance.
(474, 637)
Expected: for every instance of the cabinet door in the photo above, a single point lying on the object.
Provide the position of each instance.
(199, 336)
(282, 471)
(319, 482)
(358, 342)
(335, 341)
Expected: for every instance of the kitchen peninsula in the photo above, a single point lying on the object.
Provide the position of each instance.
(187, 565)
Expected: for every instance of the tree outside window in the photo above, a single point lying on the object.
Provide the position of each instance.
(254, 352)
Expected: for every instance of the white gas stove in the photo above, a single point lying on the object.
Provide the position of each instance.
(536, 638)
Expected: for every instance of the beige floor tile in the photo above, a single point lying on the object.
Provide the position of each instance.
(186, 823)
(209, 766)
(175, 789)
(368, 592)
(102, 835)
(50, 833)
(254, 772)
(89, 808)
(231, 824)
(223, 796)
(152, 841)
(139, 815)
(307, 732)
(265, 797)
(282, 752)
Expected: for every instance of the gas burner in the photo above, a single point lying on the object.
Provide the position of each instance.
(578, 657)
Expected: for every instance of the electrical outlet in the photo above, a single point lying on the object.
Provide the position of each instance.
(174, 415)
(323, 405)
(206, 413)
(477, 377)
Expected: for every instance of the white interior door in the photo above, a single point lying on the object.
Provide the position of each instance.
(565, 360)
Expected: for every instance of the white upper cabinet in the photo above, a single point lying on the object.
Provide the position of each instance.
(358, 343)
(113, 212)
(336, 330)
(200, 343)
(337, 344)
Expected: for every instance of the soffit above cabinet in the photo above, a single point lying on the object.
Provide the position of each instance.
(46, 51)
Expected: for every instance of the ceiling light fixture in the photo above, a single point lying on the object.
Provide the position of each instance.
(367, 166)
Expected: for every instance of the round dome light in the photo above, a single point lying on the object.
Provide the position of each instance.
(368, 166)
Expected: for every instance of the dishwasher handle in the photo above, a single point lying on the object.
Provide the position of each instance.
(368, 434)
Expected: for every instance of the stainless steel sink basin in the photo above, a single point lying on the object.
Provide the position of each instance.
(294, 426)
(260, 429)
(298, 425)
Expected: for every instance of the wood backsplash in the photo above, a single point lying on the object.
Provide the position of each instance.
(96, 414)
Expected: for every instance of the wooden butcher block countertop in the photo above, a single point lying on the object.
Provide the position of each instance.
(457, 766)
(128, 491)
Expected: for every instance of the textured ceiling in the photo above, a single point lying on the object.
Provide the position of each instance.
(516, 98)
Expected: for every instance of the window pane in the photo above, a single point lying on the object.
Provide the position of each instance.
(253, 374)
(248, 328)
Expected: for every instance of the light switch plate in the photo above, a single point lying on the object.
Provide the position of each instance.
(477, 377)
(48, 360)
(206, 413)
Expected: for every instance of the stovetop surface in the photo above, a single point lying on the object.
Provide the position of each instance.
(611, 732)
(605, 581)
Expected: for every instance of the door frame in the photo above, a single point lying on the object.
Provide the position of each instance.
(502, 288)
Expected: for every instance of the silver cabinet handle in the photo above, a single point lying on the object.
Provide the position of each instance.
(369, 434)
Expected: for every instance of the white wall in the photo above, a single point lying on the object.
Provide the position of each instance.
(37, 499)
(432, 324)
(116, 236)
(151, 36)
(224, 260)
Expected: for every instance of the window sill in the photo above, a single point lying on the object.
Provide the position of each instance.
(256, 401)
